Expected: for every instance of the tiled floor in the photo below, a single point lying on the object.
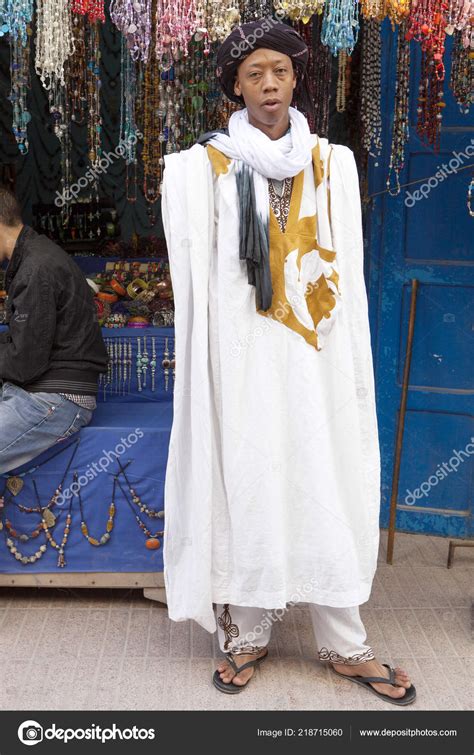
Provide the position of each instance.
(104, 649)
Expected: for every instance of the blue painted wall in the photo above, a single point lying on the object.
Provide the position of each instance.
(431, 239)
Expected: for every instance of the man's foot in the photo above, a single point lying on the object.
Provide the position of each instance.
(227, 673)
(374, 668)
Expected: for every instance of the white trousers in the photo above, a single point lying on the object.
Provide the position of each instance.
(339, 632)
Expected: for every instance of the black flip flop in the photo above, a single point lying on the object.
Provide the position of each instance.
(364, 681)
(229, 687)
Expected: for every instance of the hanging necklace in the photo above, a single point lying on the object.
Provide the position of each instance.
(173, 362)
(175, 25)
(15, 15)
(215, 21)
(20, 86)
(153, 364)
(76, 74)
(430, 103)
(461, 80)
(128, 126)
(133, 19)
(139, 364)
(470, 194)
(341, 81)
(48, 520)
(401, 125)
(370, 93)
(314, 71)
(375, 8)
(129, 362)
(59, 547)
(93, 8)
(152, 513)
(145, 360)
(397, 11)
(297, 10)
(165, 363)
(20, 556)
(427, 25)
(93, 84)
(340, 26)
(152, 541)
(22, 535)
(54, 39)
(15, 483)
(152, 139)
(321, 76)
(110, 522)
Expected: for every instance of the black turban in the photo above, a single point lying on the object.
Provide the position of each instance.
(272, 35)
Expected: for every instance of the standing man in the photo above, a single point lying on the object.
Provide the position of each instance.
(272, 488)
(53, 352)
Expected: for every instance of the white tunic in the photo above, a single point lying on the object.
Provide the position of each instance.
(272, 489)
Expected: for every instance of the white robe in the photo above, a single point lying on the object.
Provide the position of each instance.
(272, 490)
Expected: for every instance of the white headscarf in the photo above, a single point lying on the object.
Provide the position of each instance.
(260, 158)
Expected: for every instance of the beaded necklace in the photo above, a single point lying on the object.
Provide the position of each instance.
(152, 513)
(151, 152)
(175, 25)
(15, 15)
(320, 76)
(397, 11)
(15, 483)
(430, 103)
(133, 18)
(252, 10)
(215, 21)
(374, 9)
(401, 125)
(461, 80)
(370, 115)
(48, 520)
(340, 25)
(93, 8)
(316, 69)
(76, 73)
(54, 39)
(110, 521)
(20, 86)
(19, 556)
(23, 536)
(341, 88)
(470, 194)
(152, 542)
(298, 10)
(93, 84)
(128, 81)
(60, 547)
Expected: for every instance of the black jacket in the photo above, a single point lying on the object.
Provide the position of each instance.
(54, 343)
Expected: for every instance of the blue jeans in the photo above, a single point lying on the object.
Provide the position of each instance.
(30, 423)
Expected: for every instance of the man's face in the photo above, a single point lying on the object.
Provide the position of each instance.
(266, 82)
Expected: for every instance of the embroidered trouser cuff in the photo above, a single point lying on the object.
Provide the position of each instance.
(339, 632)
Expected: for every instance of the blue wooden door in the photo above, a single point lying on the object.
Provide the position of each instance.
(430, 237)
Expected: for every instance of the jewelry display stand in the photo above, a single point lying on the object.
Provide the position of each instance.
(110, 477)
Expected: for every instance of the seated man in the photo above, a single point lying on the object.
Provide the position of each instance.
(53, 352)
